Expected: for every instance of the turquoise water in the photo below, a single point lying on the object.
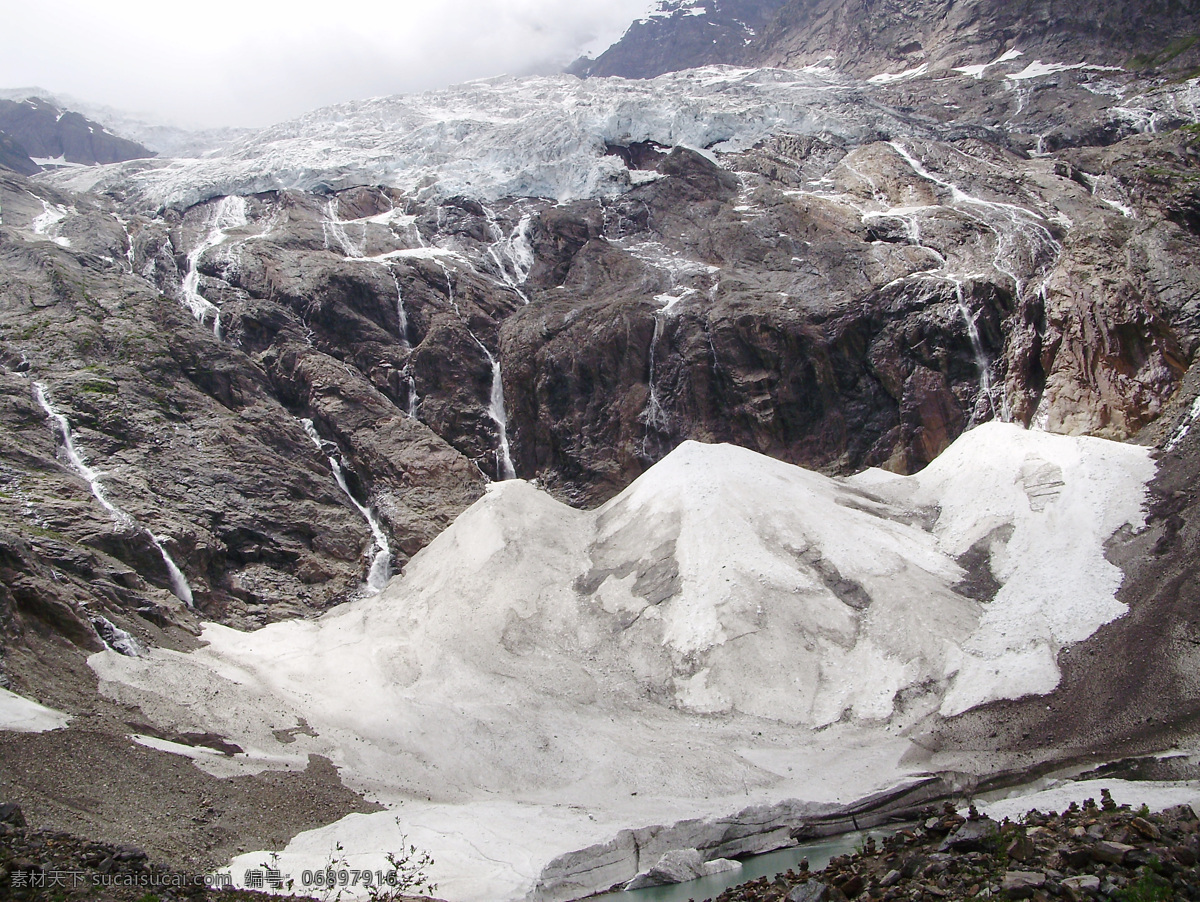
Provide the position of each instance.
(818, 853)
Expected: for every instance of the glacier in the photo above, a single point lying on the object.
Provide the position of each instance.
(533, 136)
(728, 633)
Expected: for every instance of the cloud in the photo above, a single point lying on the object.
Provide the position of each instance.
(253, 62)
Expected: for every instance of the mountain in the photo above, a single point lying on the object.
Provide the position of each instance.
(682, 34)
(852, 410)
(14, 157)
(880, 37)
(54, 136)
(163, 138)
(867, 37)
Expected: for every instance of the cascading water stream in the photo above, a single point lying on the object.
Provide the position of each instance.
(334, 226)
(1013, 226)
(1022, 242)
(654, 417)
(504, 463)
(495, 409)
(62, 427)
(512, 254)
(230, 213)
(380, 570)
(401, 314)
(981, 361)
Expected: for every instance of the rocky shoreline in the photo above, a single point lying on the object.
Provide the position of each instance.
(1088, 851)
(1092, 850)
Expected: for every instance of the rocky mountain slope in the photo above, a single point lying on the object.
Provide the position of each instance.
(59, 137)
(153, 135)
(876, 37)
(871, 36)
(248, 388)
(682, 34)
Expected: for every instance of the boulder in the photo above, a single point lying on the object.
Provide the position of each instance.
(1022, 884)
(971, 836)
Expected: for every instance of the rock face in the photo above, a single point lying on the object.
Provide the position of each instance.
(14, 157)
(873, 37)
(46, 132)
(682, 34)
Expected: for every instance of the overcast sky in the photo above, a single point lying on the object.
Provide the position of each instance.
(254, 62)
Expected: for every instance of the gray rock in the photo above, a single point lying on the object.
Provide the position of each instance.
(812, 891)
(1021, 884)
(12, 814)
(971, 836)
(1110, 852)
(1082, 886)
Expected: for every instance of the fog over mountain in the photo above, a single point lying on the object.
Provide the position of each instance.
(228, 63)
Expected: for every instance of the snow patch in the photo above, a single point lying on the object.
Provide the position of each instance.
(21, 715)
(1038, 69)
(887, 78)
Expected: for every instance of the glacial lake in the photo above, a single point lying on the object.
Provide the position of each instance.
(818, 852)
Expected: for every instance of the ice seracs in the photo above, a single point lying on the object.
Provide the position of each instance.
(729, 631)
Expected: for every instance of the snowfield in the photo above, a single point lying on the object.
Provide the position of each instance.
(728, 633)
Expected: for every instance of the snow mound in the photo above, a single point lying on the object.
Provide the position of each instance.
(728, 631)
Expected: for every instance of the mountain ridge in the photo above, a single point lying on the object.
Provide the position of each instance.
(872, 37)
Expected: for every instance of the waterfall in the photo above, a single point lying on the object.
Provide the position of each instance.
(1023, 244)
(654, 416)
(495, 410)
(981, 362)
(1184, 427)
(117, 639)
(504, 464)
(512, 254)
(401, 315)
(381, 558)
(1015, 228)
(62, 427)
(333, 225)
(229, 213)
(413, 398)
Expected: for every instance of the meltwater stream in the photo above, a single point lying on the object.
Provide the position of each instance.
(179, 584)
(229, 213)
(381, 558)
